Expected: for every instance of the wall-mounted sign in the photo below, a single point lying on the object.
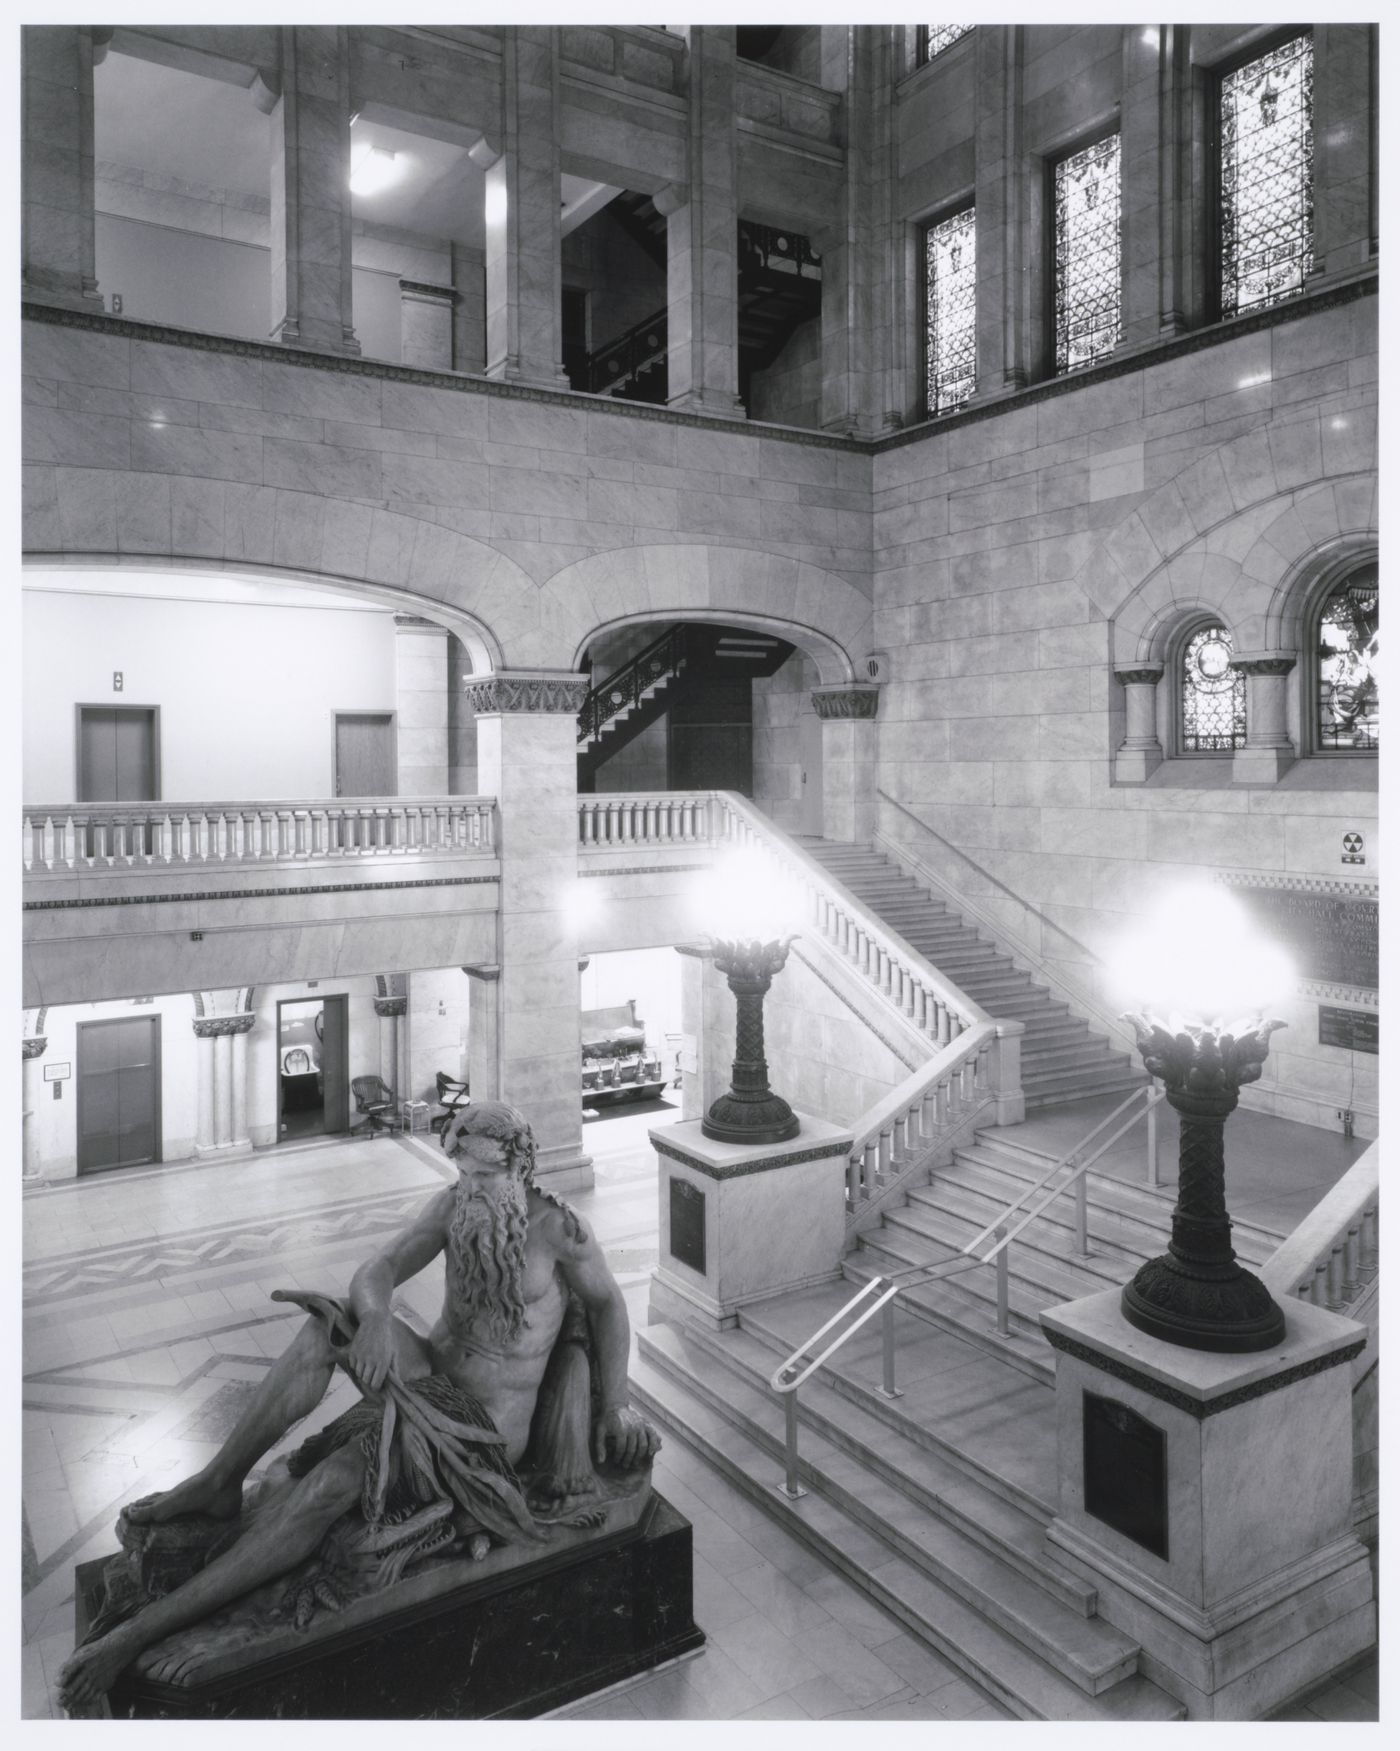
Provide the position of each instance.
(57, 1072)
(1354, 1030)
(1353, 848)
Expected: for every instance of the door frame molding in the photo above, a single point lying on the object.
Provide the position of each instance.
(107, 1021)
(83, 705)
(363, 711)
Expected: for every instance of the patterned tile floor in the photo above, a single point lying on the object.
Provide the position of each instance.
(147, 1323)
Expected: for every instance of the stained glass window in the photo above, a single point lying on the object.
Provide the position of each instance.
(1266, 149)
(1348, 661)
(1212, 694)
(951, 257)
(937, 37)
(1088, 291)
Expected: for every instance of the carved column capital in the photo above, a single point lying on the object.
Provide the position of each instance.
(1145, 675)
(35, 1047)
(855, 700)
(391, 1006)
(511, 691)
(490, 971)
(213, 1027)
(1267, 666)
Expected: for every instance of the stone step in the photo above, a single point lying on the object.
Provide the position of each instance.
(1067, 1085)
(1030, 1685)
(931, 1484)
(1086, 1049)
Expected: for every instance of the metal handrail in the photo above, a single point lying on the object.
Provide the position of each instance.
(797, 1367)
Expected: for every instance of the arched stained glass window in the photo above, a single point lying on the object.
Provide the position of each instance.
(934, 38)
(1348, 663)
(1088, 288)
(1212, 694)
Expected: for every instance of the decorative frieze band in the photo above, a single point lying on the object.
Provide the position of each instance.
(845, 702)
(213, 1027)
(391, 1006)
(521, 693)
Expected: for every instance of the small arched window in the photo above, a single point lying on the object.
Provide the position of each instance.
(1346, 695)
(1212, 694)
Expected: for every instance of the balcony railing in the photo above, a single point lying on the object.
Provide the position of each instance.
(68, 838)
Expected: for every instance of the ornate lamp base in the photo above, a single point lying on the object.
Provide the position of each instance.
(750, 1112)
(735, 1118)
(1232, 1313)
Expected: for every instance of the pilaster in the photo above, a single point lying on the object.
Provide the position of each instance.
(1268, 751)
(1344, 151)
(420, 679)
(222, 1023)
(524, 339)
(56, 167)
(702, 236)
(527, 734)
(1008, 201)
(310, 126)
(1140, 754)
(425, 325)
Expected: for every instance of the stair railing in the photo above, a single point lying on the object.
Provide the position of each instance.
(880, 1294)
(622, 360)
(936, 1007)
(625, 686)
(1334, 1252)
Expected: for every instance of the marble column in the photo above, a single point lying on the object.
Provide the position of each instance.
(391, 1012)
(524, 337)
(420, 697)
(425, 325)
(1181, 185)
(222, 1081)
(1140, 752)
(1268, 751)
(57, 212)
(1344, 151)
(849, 756)
(32, 1093)
(1009, 196)
(310, 130)
(702, 236)
(527, 751)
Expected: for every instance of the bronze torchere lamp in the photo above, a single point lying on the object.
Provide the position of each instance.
(1197, 1293)
(750, 1112)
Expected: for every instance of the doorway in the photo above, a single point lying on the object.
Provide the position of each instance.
(118, 1093)
(313, 1069)
(366, 762)
(118, 748)
(810, 730)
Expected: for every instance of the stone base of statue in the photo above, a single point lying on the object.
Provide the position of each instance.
(511, 1636)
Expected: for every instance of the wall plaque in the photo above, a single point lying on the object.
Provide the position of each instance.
(1354, 1030)
(1330, 936)
(1125, 1472)
(687, 1224)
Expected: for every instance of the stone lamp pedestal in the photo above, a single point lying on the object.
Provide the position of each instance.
(740, 1223)
(1208, 1498)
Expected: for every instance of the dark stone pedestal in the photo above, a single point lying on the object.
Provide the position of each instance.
(509, 1647)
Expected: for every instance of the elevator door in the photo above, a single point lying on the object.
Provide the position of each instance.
(118, 1093)
(365, 763)
(117, 754)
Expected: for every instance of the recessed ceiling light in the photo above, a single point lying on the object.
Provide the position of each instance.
(372, 168)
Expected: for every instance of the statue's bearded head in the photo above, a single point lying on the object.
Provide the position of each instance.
(495, 1152)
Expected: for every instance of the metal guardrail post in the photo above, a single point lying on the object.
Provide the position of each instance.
(1081, 1214)
(1153, 1172)
(790, 1486)
(889, 1389)
(1003, 1285)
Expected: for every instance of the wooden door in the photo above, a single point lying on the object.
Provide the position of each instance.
(335, 1063)
(365, 762)
(118, 1092)
(810, 728)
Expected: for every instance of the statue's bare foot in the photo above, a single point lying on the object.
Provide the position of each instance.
(197, 1495)
(93, 1670)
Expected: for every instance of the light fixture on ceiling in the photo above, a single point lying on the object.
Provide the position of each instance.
(372, 169)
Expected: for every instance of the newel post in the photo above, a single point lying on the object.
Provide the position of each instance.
(1005, 1076)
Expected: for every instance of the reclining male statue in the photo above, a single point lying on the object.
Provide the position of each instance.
(444, 1420)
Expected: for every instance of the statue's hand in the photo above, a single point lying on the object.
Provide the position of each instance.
(627, 1433)
(372, 1351)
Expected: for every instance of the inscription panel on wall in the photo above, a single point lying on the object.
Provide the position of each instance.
(687, 1224)
(1125, 1472)
(1332, 935)
(1354, 1030)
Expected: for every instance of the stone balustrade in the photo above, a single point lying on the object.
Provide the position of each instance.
(673, 817)
(1335, 1250)
(83, 838)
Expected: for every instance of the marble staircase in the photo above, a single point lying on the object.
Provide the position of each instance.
(1062, 1059)
(933, 1503)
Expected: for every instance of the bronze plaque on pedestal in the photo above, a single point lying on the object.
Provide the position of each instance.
(1125, 1472)
(687, 1224)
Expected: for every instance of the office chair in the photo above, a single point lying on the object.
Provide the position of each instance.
(375, 1099)
(451, 1095)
